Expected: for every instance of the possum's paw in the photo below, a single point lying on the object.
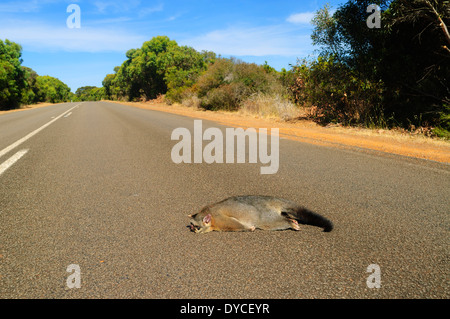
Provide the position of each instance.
(252, 228)
(294, 224)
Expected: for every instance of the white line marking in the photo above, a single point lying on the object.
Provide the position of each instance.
(68, 114)
(10, 161)
(23, 139)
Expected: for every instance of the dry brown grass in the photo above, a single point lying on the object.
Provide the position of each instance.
(270, 106)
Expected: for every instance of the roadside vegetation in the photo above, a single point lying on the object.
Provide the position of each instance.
(89, 93)
(396, 76)
(20, 85)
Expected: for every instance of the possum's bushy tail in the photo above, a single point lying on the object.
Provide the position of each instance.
(308, 217)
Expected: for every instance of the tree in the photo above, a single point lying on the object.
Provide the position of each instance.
(435, 12)
(108, 86)
(52, 90)
(325, 33)
(346, 36)
(401, 69)
(147, 67)
(418, 77)
(12, 75)
(29, 95)
(343, 83)
(90, 93)
(160, 66)
(183, 69)
(22, 85)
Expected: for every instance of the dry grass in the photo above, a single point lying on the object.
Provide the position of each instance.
(192, 101)
(270, 106)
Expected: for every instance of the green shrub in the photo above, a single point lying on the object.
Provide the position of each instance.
(216, 75)
(52, 90)
(336, 92)
(229, 82)
(12, 76)
(226, 97)
(443, 130)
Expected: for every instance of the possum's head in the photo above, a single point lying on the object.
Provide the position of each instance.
(200, 222)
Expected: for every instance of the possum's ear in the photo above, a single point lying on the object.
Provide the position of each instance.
(207, 219)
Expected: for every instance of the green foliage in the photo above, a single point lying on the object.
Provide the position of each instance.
(30, 92)
(52, 90)
(268, 69)
(443, 130)
(226, 97)
(218, 73)
(183, 71)
(147, 67)
(395, 75)
(336, 92)
(20, 85)
(108, 87)
(90, 93)
(228, 82)
(160, 66)
(325, 32)
(12, 75)
(418, 77)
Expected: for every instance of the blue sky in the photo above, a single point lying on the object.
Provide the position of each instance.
(255, 31)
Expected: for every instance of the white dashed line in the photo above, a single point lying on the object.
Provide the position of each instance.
(23, 139)
(10, 161)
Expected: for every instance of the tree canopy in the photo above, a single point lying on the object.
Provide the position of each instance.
(12, 75)
(396, 75)
(21, 85)
(159, 66)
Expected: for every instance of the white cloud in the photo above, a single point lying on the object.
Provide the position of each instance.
(254, 41)
(174, 17)
(116, 6)
(148, 10)
(301, 18)
(23, 6)
(108, 21)
(41, 37)
(129, 6)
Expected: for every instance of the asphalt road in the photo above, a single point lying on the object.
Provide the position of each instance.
(97, 188)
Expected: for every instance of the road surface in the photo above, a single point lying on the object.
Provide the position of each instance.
(93, 185)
